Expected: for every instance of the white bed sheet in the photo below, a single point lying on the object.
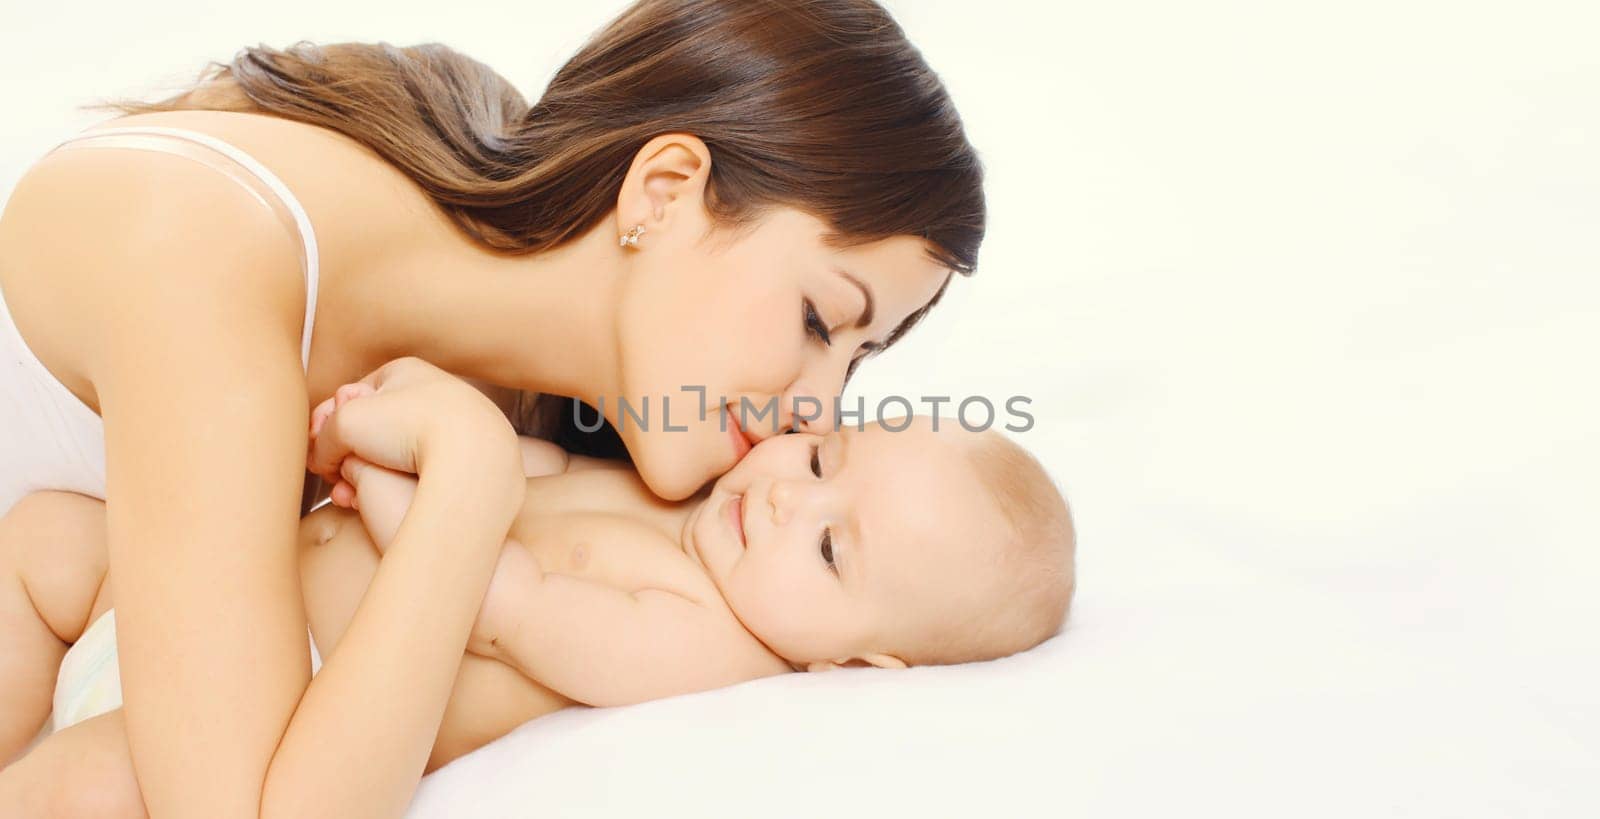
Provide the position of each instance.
(1243, 700)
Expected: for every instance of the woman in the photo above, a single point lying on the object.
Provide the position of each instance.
(713, 198)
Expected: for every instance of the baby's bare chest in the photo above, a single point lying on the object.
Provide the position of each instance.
(614, 550)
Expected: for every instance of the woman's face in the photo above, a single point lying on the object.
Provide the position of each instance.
(772, 318)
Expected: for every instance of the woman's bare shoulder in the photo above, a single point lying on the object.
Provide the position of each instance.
(85, 224)
(355, 200)
(348, 189)
(96, 238)
(75, 204)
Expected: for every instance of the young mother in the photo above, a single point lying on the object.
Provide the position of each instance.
(745, 198)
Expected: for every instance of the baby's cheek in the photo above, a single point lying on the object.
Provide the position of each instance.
(773, 605)
(748, 600)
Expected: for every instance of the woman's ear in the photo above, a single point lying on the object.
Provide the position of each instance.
(669, 167)
(864, 661)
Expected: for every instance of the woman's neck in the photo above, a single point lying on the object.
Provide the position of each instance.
(540, 322)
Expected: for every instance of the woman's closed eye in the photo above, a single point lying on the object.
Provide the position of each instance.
(813, 323)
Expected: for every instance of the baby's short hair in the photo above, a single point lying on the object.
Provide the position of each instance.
(1025, 599)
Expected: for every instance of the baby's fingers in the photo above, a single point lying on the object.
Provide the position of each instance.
(343, 494)
(347, 492)
(382, 496)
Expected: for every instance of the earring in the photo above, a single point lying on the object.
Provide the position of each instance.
(631, 238)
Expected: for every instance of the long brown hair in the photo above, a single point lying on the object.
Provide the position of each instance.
(819, 105)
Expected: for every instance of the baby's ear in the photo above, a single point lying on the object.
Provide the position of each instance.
(864, 661)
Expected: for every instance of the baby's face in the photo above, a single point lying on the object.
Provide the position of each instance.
(827, 547)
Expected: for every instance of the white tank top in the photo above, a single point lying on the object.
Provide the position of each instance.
(48, 438)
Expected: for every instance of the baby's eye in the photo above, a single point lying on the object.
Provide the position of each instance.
(827, 550)
(813, 322)
(816, 460)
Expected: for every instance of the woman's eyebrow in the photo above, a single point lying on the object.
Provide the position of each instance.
(866, 293)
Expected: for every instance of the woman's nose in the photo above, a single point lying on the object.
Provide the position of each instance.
(806, 411)
(811, 398)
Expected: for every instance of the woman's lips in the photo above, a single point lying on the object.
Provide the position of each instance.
(735, 515)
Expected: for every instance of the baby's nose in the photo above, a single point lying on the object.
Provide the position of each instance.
(778, 498)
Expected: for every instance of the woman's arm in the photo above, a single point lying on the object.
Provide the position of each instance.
(197, 294)
(198, 380)
(338, 560)
(427, 589)
(362, 734)
(357, 741)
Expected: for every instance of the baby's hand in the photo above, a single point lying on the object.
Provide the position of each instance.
(382, 496)
(413, 417)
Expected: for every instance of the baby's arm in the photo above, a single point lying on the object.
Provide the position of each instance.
(603, 646)
(540, 457)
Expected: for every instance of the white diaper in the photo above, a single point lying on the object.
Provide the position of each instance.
(90, 681)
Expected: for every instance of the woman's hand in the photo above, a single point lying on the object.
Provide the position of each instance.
(410, 416)
(382, 497)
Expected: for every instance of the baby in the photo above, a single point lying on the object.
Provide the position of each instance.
(858, 547)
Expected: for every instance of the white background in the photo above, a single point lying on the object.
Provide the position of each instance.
(1305, 295)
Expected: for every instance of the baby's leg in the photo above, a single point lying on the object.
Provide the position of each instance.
(52, 567)
(83, 770)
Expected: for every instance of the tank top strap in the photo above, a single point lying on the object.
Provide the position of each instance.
(129, 137)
